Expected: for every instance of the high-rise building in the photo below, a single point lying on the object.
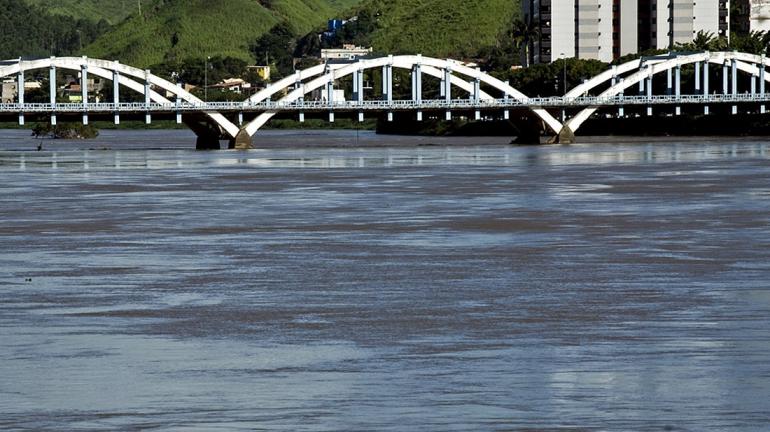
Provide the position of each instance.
(607, 29)
(679, 21)
(589, 29)
(760, 15)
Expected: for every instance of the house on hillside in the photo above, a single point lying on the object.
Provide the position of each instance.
(10, 92)
(262, 71)
(235, 85)
(348, 53)
(73, 90)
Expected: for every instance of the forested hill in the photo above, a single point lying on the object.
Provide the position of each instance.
(112, 11)
(30, 31)
(171, 30)
(147, 33)
(456, 28)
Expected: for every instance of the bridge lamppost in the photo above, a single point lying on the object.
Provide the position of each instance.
(206, 79)
(563, 58)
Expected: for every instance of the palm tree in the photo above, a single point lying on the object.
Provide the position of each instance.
(523, 35)
(756, 42)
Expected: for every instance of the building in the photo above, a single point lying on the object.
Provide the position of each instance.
(235, 85)
(10, 92)
(677, 21)
(760, 15)
(348, 53)
(608, 29)
(587, 29)
(262, 71)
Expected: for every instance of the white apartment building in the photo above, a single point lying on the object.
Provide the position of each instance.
(678, 21)
(760, 15)
(607, 29)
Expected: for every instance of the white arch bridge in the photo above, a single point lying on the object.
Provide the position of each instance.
(453, 89)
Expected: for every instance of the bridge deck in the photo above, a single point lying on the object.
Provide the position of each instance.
(396, 105)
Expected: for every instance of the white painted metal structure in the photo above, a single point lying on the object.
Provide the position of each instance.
(608, 89)
(643, 70)
(141, 81)
(323, 76)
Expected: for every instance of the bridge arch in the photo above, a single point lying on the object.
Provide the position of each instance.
(128, 77)
(320, 76)
(646, 68)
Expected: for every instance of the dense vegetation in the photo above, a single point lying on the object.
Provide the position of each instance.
(29, 31)
(175, 30)
(440, 28)
(112, 11)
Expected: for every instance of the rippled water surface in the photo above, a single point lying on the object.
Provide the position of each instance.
(373, 284)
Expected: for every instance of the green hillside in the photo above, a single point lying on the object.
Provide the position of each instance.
(440, 27)
(29, 31)
(113, 11)
(178, 29)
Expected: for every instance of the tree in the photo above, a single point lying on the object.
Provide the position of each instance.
(523, 35)
(276, 48)
(756, 42)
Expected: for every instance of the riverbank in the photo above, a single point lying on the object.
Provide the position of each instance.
(184, 139)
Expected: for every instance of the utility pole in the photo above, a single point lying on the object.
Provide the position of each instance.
(563, 110)
(206, 79)
(140, 7)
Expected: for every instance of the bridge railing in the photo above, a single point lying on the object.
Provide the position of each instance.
(381, 105)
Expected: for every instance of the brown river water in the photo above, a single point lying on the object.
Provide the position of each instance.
(346, 281)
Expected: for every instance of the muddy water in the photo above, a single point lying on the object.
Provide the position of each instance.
(447, 286)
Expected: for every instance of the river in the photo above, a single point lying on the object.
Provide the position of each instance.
(346, 281)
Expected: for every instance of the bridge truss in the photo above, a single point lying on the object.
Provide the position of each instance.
(456, 87)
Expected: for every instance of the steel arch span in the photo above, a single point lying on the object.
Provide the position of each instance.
(304, 82)
(641, 71)
(138, 80)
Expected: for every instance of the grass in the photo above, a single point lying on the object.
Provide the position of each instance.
(113, 11)
(197, 28)
(440, 28)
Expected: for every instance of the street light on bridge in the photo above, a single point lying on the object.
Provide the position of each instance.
(563, 58)
(206, 79)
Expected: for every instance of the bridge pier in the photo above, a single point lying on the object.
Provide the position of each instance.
(208, 133)
(565, 136)
(242, 141)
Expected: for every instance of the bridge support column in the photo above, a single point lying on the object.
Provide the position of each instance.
(242, 141)
(697, 77)
(20, 91)
(417, 86)
(762, 72)
(669, 82)
(621, 109)
(678, 88)
(506, 112)
(649, 91)
(178, 102)
(116, 95)
(359, 79)
(84, 91)
(447, 82)
(301, 116)
(387, 85)
(147, 100)
(330, 97)
(706, 85)
(52, 92)
(530, 128)
(477, 95)
(207, 132)
(565, 136)
(734, 86)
